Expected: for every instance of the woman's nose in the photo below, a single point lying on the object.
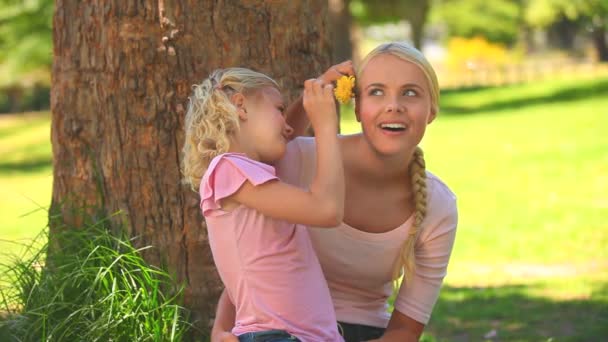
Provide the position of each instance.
(394, 106)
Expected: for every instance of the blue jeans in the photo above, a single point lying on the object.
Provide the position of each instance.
(359, 332)
(268, 336)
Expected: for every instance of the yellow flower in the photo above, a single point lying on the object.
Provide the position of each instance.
(344, 88)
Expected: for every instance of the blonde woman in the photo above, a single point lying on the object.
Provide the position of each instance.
(235, 132)
(399, 219)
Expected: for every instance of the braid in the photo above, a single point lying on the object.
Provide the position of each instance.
(407, 254)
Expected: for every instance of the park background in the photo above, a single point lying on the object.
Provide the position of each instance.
(520, 139)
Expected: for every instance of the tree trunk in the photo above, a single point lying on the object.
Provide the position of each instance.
(599, 41)
(122, 74)
(417, 18)
(341, 22)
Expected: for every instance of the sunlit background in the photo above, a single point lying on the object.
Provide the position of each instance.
(520, 139)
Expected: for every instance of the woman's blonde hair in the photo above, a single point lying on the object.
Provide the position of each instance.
(212, 118)
(417, 169)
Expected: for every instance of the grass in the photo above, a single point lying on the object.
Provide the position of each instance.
(529, 165)
(94, 287)
(26, 178)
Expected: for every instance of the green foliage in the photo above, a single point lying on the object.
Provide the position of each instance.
(369, 12)
(90, 285)
(25, 37)
(496, 20)
(543, 13)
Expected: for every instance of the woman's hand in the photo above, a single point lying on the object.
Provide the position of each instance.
(337, 71)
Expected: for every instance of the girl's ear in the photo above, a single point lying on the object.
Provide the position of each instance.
(238, 100)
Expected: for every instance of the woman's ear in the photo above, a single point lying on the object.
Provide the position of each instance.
(432, 116)
(238, 100)
(357, 105)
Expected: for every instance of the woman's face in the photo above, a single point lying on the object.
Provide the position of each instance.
(393, 104)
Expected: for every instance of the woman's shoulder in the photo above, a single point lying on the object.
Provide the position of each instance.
(439, 190)
(442, 211)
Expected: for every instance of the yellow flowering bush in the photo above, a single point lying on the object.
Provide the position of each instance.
(344, 88)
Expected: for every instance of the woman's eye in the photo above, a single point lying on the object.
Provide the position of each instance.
(409, 92)
(375, 92)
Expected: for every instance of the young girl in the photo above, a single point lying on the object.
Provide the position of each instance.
(235, 131)
(398, 218)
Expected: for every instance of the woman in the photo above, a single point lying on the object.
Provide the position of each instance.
(397, 217)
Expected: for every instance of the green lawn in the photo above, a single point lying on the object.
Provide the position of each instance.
(26, 178)
(529, 165)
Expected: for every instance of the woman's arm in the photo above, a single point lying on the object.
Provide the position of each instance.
(323, 204)
(295, 113)
(224, 320)
(401, 328)
(418, 297)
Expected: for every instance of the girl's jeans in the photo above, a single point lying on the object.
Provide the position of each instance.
(268, 336)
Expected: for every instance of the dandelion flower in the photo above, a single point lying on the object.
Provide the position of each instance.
(344, 88)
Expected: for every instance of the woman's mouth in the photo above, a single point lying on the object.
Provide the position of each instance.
(393, 127)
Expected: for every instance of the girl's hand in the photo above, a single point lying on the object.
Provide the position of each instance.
(320, 105)
(337, 71)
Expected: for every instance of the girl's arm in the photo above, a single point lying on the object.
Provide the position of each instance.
(295, 113)
(323, 204)
(224, 320)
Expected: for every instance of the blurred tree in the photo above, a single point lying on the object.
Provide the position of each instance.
(25, 37)
(122, 74)
(498, 21)
(590, 15)
(368, 12)
(341, 26)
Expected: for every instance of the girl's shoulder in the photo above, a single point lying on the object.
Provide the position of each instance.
(226, 174)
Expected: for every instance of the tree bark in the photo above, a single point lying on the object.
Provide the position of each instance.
(122, 74)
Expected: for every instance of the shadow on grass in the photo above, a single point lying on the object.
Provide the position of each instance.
(563, 94)
(26, 166)
(511, 313)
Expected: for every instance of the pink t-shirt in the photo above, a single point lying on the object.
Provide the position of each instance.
(358, 265)
(268, 266)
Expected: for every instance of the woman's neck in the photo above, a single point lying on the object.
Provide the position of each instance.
(377, 168)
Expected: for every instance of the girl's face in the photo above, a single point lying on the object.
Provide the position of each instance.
(393, 104)
(267, 131)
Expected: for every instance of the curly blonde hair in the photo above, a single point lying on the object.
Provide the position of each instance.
(212, 118)
(417, 169)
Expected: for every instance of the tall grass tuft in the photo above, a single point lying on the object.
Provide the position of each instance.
(93, 286)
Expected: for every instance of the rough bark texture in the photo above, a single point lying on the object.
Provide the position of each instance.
(122, 74)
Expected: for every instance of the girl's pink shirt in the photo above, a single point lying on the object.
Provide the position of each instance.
(268, 266)
(358, 265)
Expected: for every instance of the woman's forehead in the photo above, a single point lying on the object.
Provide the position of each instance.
(389, 69)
